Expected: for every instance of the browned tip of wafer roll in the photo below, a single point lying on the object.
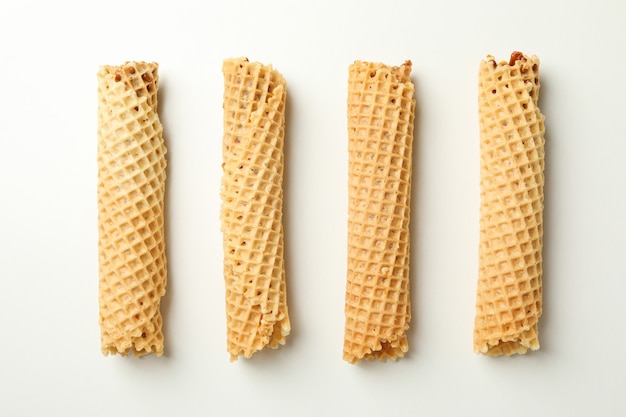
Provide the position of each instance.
(381, 109)
(131, 188)
(251, 213)
(509, 290)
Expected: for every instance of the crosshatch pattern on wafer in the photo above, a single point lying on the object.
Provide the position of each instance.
(381, 109)
(509, 293)
(131, 187)
(251, 213)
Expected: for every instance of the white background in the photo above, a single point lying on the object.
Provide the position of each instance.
(50, 360)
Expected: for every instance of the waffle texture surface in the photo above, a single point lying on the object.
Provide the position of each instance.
(381, 111)
(251, 212)
(509, 291)
(131, 188)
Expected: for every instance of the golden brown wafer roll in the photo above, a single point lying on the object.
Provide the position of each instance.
(251, 214)
(381, 110)
(509, 293)
(131, 187)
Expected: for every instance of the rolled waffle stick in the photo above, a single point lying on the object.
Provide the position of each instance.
(131, 187)
(251, 213)
(509, 293)
(381, 110)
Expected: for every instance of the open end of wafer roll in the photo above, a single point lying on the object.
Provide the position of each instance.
(509, 291)
(381, 108)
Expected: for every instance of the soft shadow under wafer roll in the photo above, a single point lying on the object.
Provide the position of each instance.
(381, 109)
(131, 187)
(509, 291)
(251, 213)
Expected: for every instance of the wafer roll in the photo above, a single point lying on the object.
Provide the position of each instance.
(380, 134)
(251, 213)
(131, 187)
(509, 293)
